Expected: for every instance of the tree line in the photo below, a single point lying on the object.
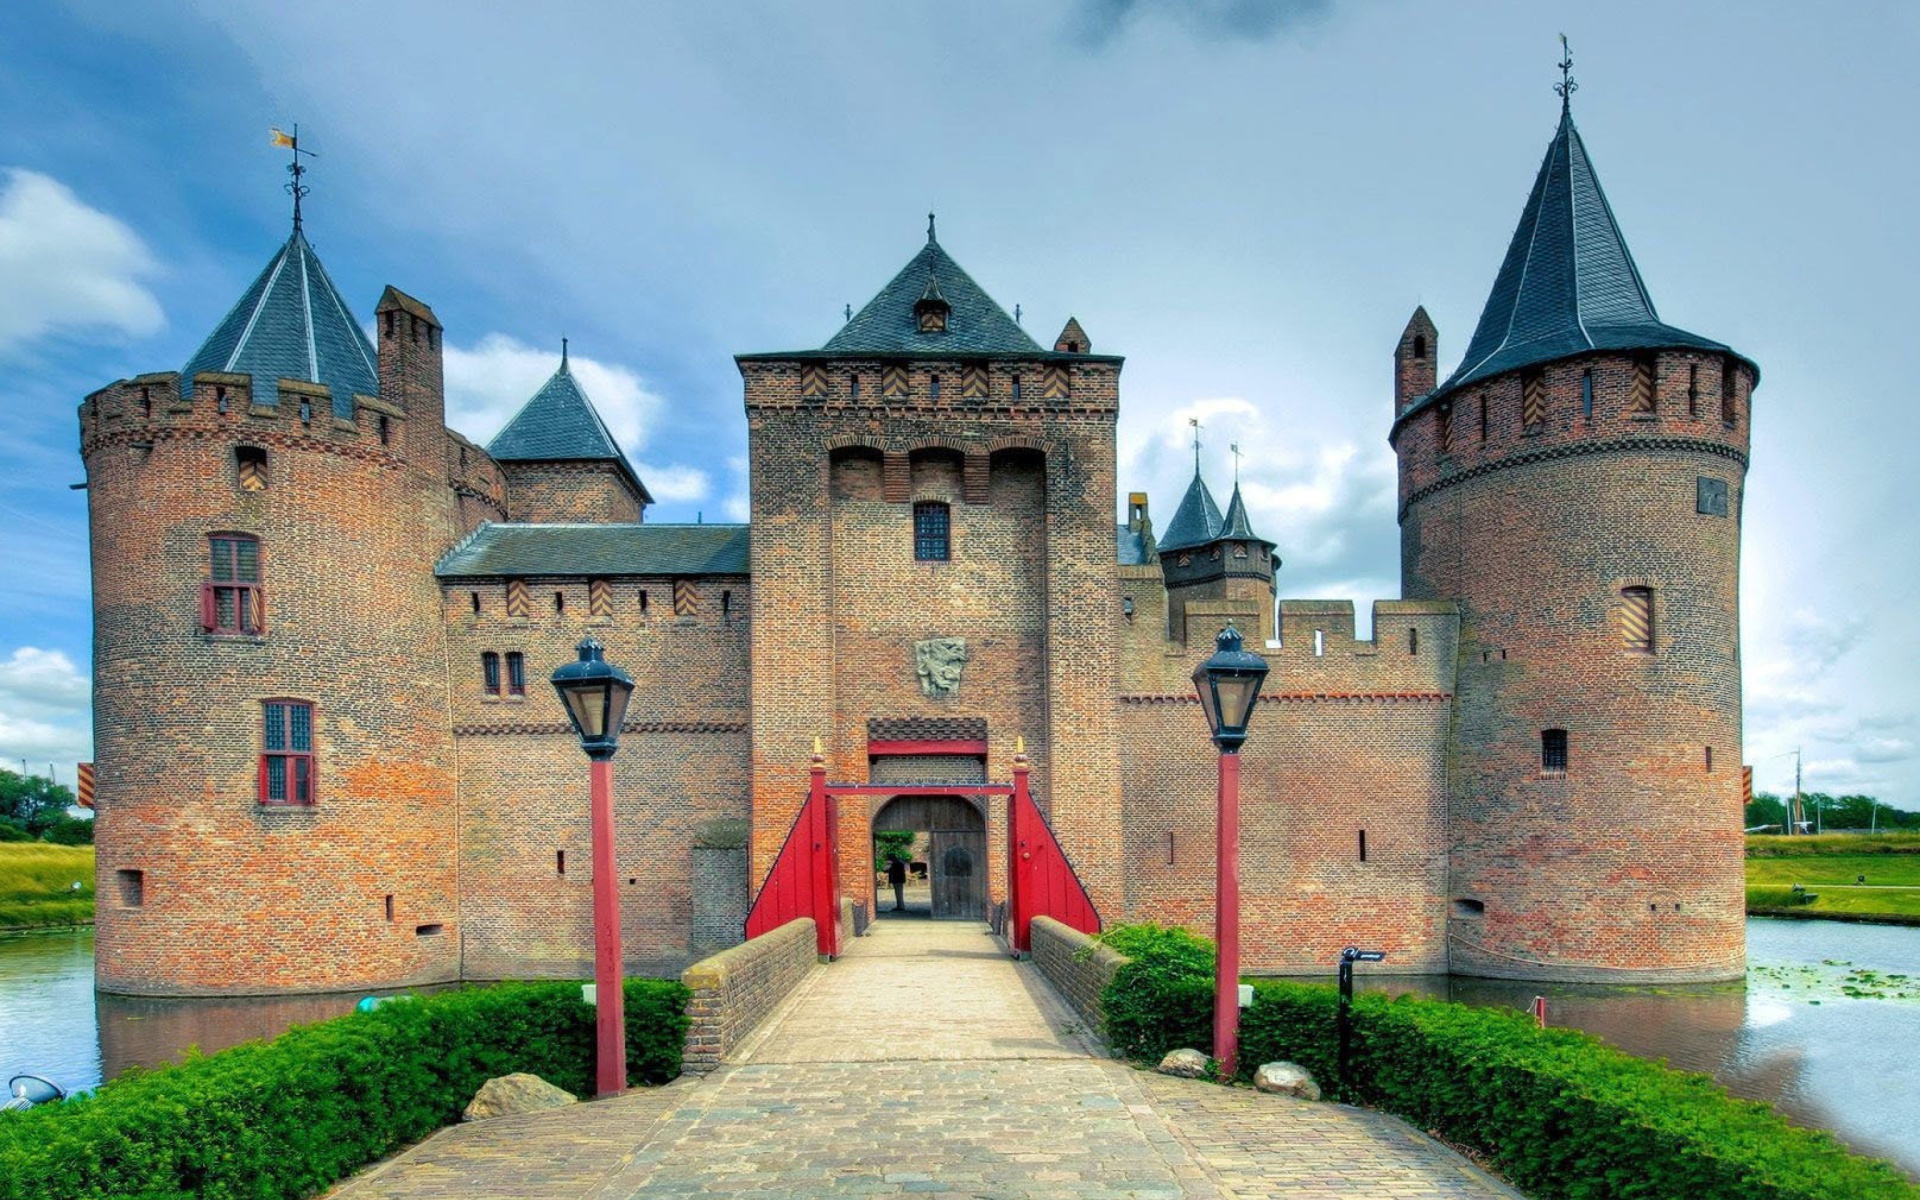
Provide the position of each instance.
(1831, 812)
(35, 809)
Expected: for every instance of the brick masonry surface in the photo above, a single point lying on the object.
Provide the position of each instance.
(737, 988)
(1078, 967)
(1394, 788)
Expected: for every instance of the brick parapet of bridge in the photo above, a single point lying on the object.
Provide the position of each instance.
(736, 989)
(1078, 967)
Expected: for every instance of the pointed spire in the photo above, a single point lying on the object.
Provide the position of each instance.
(560, 424)
(291, 323)
(1073, 339)
(1568, 284)
(563, 355)
(1235, 524)
(931, 240)
(1197, 521)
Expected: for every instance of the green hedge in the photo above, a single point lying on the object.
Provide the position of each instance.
(288, 1118)
(1557, 1112)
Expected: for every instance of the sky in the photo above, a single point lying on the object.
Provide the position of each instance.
(1247, 198)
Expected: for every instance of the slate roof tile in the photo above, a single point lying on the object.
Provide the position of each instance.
(291, 323)
(506, 550)
(1568, 283)
(1196, 522)
(560, 424)
(975, 324)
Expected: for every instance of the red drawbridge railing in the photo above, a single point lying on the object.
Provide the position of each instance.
(805, 880)
(1040, 877)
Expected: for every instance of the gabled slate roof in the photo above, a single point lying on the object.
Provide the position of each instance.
(975, 324)
(559, 424)
(1568, 284)
(517, 550)
(291, 323)
(1196, 522)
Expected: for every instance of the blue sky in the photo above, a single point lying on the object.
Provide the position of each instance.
(1245, 198)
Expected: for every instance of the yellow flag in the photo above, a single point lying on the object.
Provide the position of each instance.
(284, 140)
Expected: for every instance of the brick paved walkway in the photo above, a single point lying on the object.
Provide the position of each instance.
(926, 1062)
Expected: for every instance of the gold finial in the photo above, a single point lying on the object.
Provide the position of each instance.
(819, 747)
(1019, 744)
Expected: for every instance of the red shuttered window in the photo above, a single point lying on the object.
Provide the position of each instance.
(286, 753)
(230, 600)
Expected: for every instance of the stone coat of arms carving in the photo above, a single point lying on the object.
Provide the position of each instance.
(938, 662)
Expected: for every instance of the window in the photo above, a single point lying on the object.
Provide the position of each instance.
(1636, 619)
(1483, 416)
(1553, 752)
(389, 906)
(133, 888)
(516, 673)
(643, 604)
(474, 597)
(1710, 496)
(1413, 641)
(1016, 387)
(853, 387)
(1319, 643)
(1693, 389)
(932, 532)
(250, 468)
(1586, 396)
(490, 672)
(1729, 385)
(230, 600)
(933, 387)
(1419, 345)
(386, 431)
(1709, 750)
(560, 604)
(286, 753)
(1363, 845)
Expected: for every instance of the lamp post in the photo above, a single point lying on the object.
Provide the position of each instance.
(594, 693)
(1228, 685)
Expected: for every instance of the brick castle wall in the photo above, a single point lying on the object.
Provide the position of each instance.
(237, 896)
(1628, 863)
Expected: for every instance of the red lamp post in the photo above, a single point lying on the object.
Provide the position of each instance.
(1228, 685)
(595, 693)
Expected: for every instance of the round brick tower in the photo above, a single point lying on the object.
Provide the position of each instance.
(275, 795)
(1576, 486)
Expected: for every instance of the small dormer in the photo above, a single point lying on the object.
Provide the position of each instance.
(931, 310)
(1073, 339)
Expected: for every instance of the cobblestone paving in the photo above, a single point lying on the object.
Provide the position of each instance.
(926, 1063)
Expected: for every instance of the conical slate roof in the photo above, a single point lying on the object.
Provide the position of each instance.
(1197, 521)
(291, 324)
(975, 324)
(1235, 524)
(1569, 283)
(559, 424)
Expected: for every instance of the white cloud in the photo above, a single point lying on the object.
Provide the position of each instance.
(67, 266)
(45, 710)
(487, 384)
(675, 483)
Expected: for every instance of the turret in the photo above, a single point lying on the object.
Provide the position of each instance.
(275, 797)
(1574, 489)
(1216, 567)
(1414, 360)
(561, 462)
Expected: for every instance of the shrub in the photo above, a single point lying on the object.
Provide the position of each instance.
(1161, 999)
(1767, 896)
(1560, 1114)
(289, 1117)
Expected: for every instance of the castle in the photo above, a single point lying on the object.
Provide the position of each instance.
(328, 757)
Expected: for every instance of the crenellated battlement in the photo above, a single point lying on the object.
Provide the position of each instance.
(150, 408)
(1600, 403)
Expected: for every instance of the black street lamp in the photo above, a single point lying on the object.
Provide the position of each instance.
(595, 693)
(1229, 686)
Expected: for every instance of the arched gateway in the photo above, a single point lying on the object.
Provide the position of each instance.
(956, 830)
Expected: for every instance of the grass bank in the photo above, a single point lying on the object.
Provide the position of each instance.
(1858, 877)
(36, 885)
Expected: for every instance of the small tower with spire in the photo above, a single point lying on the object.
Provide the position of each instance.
(1215, 566)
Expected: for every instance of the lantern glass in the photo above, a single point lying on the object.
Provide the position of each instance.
(595, 693)
(1228, 685)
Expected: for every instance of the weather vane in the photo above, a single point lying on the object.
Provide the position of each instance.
(296, 189)
(1195, 422)
(1566, 87)
(1234, 449)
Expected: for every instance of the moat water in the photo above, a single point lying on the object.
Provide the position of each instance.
(1792, 1035)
